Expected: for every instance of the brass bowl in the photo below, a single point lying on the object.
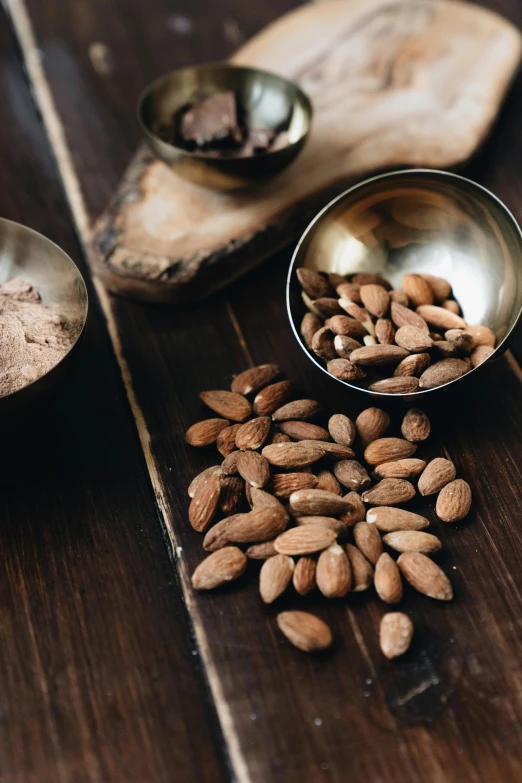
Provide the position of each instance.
(27, 254)
(420, 221)
(269, 101)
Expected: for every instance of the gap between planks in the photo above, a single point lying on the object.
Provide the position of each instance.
(44, 101)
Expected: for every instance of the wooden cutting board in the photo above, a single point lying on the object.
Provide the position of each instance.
(393, 83)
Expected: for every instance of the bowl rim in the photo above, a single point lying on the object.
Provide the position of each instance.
(226, 66)
(85, 313)
(499, 349)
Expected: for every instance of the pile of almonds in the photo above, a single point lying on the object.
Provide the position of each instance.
(391, 341)
(292, 493)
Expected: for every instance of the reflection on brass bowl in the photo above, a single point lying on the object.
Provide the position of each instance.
(269, 101)
(27, 254)
(420, 221)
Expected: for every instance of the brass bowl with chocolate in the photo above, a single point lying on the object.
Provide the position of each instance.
(223, 126)
(407, 284)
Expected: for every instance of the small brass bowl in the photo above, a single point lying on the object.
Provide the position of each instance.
(27, 254)
(269, 101)
(420, 221)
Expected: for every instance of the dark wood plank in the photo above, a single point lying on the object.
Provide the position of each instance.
(98, 676)
(452, 710)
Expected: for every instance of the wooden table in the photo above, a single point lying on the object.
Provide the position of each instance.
(111, 668)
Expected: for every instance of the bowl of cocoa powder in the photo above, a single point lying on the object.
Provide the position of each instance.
(43, 310)
(407, 284)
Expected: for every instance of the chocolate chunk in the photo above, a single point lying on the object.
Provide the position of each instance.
(212, 121)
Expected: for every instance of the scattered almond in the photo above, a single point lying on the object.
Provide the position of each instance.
(228, 404)
(304, 540)
(261, 551)
(368, 540)
(231, 494)
(371, 425)
(202, 478)
(254, 468)
(357, 512)
(342, 429)
(388, 450)
(389, 519)
(333, 574)
(352, 475)
(274, 577)
(298, 410)
(305, 631)
(294, 455)
(219, 568)
(304, 575)
(425, 576)
(226, 440)
(252, 380)
(362, 572)
(327, 482)
(401, 469)
(273, 397)
(303, 430)
(229, 464)
(260, 524)
(284, 484)
(204, 504)
(253, 434)
(413, 541)
(437, 474)
(387, 580)
(415, 426)
(395, 635)
(316, 502)
(454, 501)
(389, 492)
(337, 526)
(205, 432)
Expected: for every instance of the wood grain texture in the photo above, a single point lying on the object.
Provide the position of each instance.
(96, 656)
(386, 79)
(451, 711)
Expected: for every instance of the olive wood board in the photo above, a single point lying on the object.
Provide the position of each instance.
(393, 84)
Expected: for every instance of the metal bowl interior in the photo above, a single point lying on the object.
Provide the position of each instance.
(420, 221)
(27, 254)
(269, 101)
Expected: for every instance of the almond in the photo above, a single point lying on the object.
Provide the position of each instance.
(229, 464)
(399, 297)
(413, 339)
(304, 540)
(228, 404)
(350, 291)
(413, 541)
(278, 437)
(260, 524)
(452, 306)
(385, 331)
(376, 355)
(362, 572)
(219, 568)
(388, 450)
(231, 494)
(403, 316)
(253, 434)
(371, 424)
(345, 370)
(336, 451)
(304, 575)
(412, 365)
(446, 350)
(400, 385)
(313, 502)
(315, 285)
(454, 501)
(202, 478)
(305, 631)
(357, 512)
(333, 574)
(261, 551)
(418, 290)
(482, 335)
(274, 577)
(204, 504)
(283, 484)
(387, 580)
(294, 455)
(328, 482)
(327, 306)
(323, 344)
(309, 326)
(252, 380)
(442, 372)
(350, 327)
(415, 426)
(205, 432)
(297, 410)
(441, 288)
(352, 475)
(368, 540)
(303, 430)
(254, 468)
(463, 340)
(389, 519)
(226, 440)
(342, 429)
(400, 469)
(436, 475)
(480, 354)
(395, 634)
(273, 397)
(262, 499)
(335, 525)
(389, 492)
(359, 313)
(344, 346)
(375, 298)
(370, 278)
(425, 576)
(216, 538)
(440, 318)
